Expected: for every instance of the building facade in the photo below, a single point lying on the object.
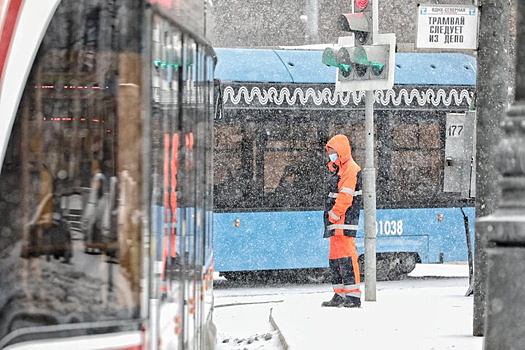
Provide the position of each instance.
(257, 23)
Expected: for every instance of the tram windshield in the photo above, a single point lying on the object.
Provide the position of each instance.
(70, 185)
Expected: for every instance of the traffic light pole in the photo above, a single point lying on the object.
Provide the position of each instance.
(492, 100)
(369, 193)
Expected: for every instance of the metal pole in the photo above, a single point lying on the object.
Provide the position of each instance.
(369, 192)
(492, 87)
(312, 14)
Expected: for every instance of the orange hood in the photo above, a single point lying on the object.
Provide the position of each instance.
(342, 146)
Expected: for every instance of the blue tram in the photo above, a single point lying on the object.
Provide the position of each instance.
(278, 110)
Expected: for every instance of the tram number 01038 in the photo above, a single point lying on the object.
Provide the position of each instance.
(389, 227)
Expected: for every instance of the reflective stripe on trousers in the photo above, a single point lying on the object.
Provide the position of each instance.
(349, 289)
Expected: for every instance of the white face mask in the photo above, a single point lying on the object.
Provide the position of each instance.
(333, 157)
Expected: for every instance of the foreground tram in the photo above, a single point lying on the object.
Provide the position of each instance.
(106, 110)
(279, 110)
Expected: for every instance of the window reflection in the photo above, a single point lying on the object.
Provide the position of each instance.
(182, 98)
(270, 165)
(71, 188)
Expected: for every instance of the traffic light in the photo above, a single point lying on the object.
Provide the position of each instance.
(368, 62)
(358, 62)
(364, 59)
(362, 67)
(360, 21)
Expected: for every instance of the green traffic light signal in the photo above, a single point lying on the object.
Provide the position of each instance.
(360, 56)
(377, 68)
(354, 62)
(345, 70)
(377, 56)
(330, 59)
(360, 59)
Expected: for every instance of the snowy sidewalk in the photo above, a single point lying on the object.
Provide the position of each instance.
(420, 317)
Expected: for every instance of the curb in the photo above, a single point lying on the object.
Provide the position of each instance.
(282, 340)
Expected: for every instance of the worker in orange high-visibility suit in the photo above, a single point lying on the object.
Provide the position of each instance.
(341, 218)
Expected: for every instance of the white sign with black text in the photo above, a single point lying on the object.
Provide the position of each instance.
(447, 27)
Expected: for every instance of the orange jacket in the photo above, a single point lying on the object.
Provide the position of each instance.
(344, 196)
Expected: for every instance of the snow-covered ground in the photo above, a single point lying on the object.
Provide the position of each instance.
(417, 313)
(245, 327)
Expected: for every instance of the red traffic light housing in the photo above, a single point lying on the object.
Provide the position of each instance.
(360, 21)
(361, 4)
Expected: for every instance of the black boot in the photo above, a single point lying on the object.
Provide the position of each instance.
(352, 301)
(336, 301)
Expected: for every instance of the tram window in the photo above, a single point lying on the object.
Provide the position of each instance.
(354, 132)
(294, 184)
(356, 136)
(406, 136)
(417, 174)
(76, 216)
(270, 164)
(227, 166)
(415, 163)
(416, 136)
(227, 137)
(292, 166)
(281, 167)
(276, 162)
(429, 136)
